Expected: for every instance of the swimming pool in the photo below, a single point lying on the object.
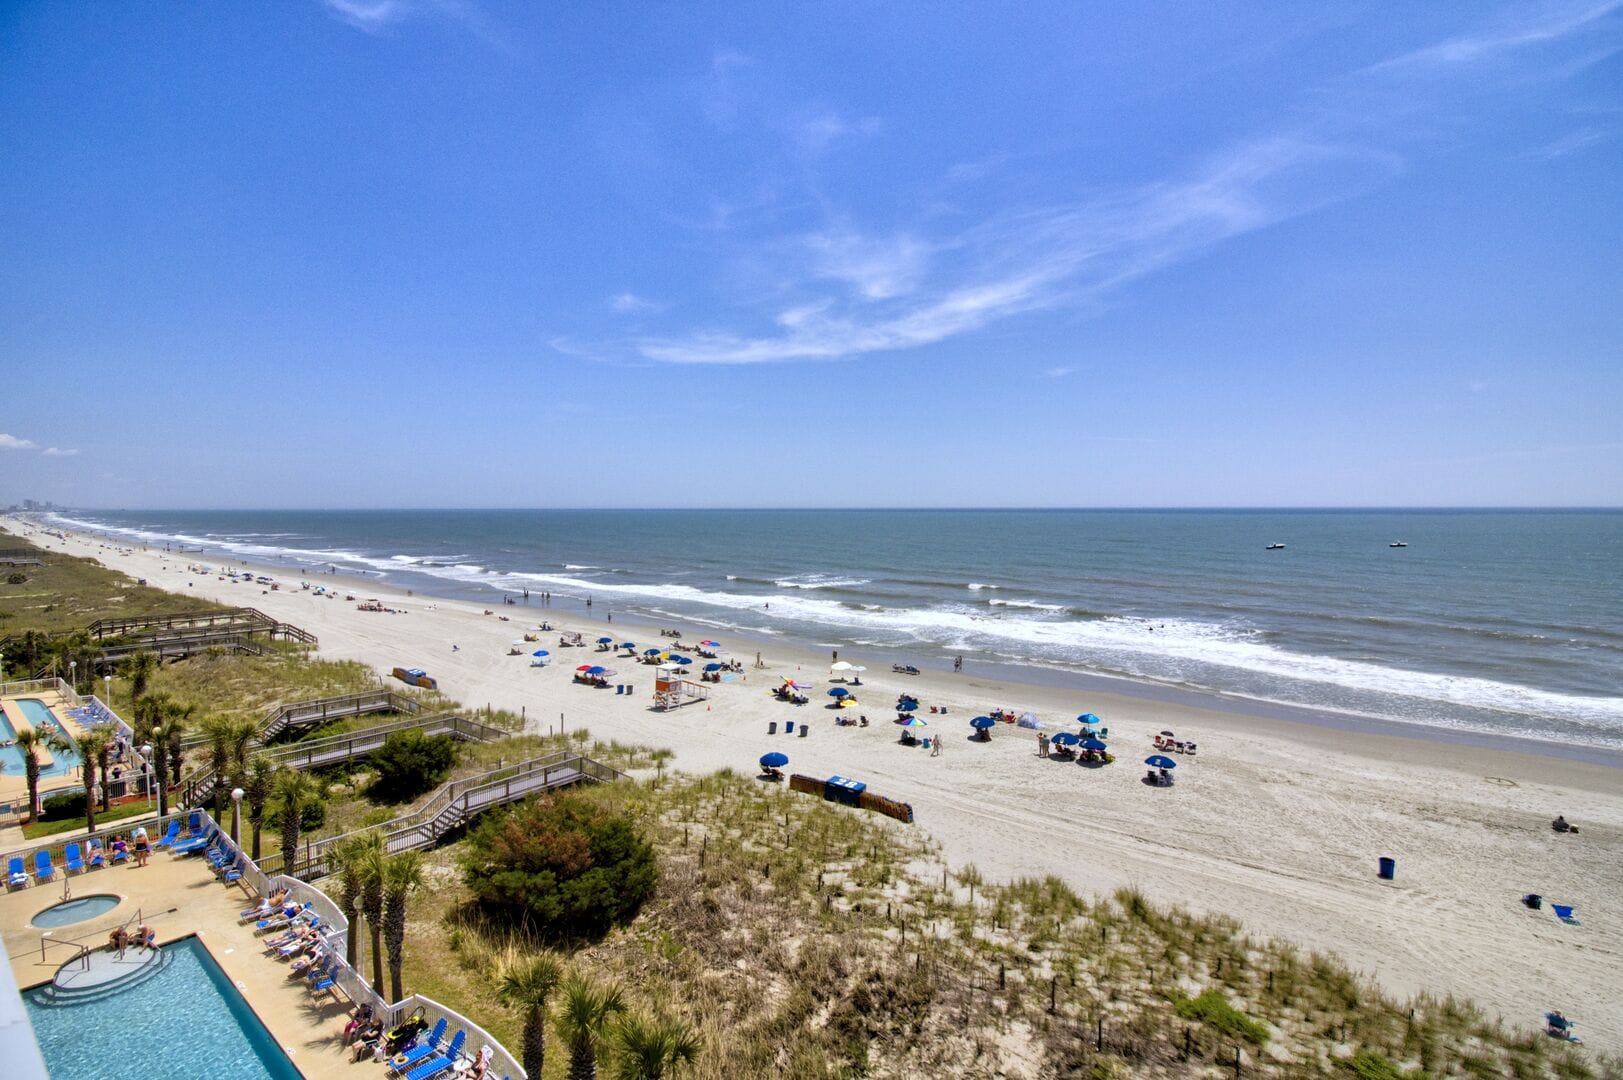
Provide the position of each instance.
(187, 1020)
(77, 910)
(39, 717)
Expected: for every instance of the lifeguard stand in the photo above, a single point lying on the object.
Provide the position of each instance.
(671, 690)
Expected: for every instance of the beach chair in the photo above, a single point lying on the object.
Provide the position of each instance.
(73, 860)
(43, 870)
(170, 836)
(16, 876)
(231, 873)
(98, 857)
(437, 1064)
(196, 843)
(281, 919)
(325, 978)
(1564, 913)
(408, 1058)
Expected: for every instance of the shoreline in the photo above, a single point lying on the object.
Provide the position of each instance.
(1033, 676)
(1276, 822)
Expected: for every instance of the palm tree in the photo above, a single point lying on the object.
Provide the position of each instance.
(256, 785)
(149, 712)
(31, 741)
(584, 1020)
(370, 860)
(176, 717)
(295, 790)
(138, 669)
(527, 982)
(94, 745)
(347, 862)
(402, 875)
(650, 1049)
(217, 729)
(240, 733)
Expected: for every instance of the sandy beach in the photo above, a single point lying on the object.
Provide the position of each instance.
(1276, 823)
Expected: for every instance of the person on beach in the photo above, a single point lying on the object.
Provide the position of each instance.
(1042, 744)
(935, 747)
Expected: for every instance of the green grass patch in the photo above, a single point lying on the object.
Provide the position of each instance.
(36, 830)
(68, 593)
(1213, 1009)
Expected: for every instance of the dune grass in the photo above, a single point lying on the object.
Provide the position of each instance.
(69, 593)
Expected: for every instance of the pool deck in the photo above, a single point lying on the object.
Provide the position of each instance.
(14, 785)
(177, 896)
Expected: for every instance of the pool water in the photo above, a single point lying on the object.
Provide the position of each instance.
(39, 717)
(72, 911)
(186, 1021)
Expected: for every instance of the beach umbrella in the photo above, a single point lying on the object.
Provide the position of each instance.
(839, 665)
(1065, 738)
(791, 684)
(774, 760)
(912, 721)
(981, 723)
(907, 704)
(712, 667)
(628, 644)
(540, 652)
(605, 641)
(650, 652)
(1093, 744)
(1160, 761)
(847, 702)
(1167, 735)
(681, 659)
(597, 671)
(839, 691)
(711, 644)
(1089, 719)
(517, 641)
(584, 667)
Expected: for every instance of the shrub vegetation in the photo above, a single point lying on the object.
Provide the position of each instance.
(563, 864)
(409, 763)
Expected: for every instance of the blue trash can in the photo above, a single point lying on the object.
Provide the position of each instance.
(1389, 869)
(788, 727)
(619, 688)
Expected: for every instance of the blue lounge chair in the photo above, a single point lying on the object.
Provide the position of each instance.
(187, 847)
(325, 978)
(98, 857)
(1564, 913)
(168, 837)
(43, 870)
(435, 1065)
(281, 919)
(231, 873)
(403, 1061)
(16, 876)
(73, 860)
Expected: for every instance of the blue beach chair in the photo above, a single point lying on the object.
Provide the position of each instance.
(405, 1060)
(435, 1065)
(1564, 913)
(73, 860)
(196, 843)
(16, 876)
(98, 857)
(168, 837)
(43, 870)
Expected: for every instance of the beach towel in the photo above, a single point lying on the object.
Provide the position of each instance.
(1564, 913)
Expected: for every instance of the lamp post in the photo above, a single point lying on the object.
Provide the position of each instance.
(107, 684)
(73, 674)
(146, 768)
(236, 814)
(163, 788)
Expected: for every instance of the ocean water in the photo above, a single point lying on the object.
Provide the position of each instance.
(1497, 622)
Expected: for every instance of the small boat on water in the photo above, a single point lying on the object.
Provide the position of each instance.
(1397, 543)
(1276, 547)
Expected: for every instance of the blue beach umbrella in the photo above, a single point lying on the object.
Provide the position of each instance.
(681, 659)
(774, 760)
(596, 670)
(1089, 719)
(839, 691)
(628, 644)
(907, 704)
(1065, 738)
(912, 721)
(707, 643)
(605, 641)
(540, 652)
(712, 667)
(1160, 761)
(981, 723)
(650, 652)
(1093, 744)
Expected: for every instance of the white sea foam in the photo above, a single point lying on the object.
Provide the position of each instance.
(818, 581)
(979, 585)
(1030, 604)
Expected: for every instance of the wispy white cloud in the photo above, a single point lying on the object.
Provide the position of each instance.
(816, 131)
(629, 303)
(380, 16)
(12, 442)
(1570, 143)
(1058, 372)
(56, 451)
(1531, 24)
(1019, 263)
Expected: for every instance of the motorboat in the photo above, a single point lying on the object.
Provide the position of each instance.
(1276, 547)
(1397, 543)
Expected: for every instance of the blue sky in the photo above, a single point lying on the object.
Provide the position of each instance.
(457, 253)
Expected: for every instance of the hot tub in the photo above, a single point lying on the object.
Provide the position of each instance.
(78, 909)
